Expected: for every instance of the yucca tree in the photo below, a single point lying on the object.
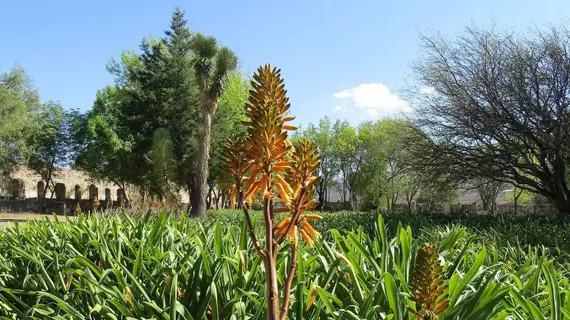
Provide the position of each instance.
(212, 65)
(275, 169)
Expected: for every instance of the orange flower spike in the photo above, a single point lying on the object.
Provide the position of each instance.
(314, 234)
(233, 197)
(284, 183)
(297, 190)
(282, 166)
(282, 226)
(252, 190)
(285, 221)
(312, 297)
(306, 237)
(263, 182)
(311, 181)
(311, 204)
(288, 127)
(313, 216)
(293, 236)
(283, 193)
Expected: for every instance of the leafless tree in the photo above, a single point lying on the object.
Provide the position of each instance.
(499, 108)
(488, 192)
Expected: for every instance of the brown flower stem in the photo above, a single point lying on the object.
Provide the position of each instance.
(252, 233)
(294, 218)
(288, 283)
(270, 260)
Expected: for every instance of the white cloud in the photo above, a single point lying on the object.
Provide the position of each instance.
(372, 112)
(427, 90)
(374, 96)
(343, 94)
(340, 108)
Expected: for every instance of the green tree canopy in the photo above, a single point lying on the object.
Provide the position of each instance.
(156, 88)
(20, 105)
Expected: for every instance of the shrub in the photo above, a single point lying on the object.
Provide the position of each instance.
(165, 267)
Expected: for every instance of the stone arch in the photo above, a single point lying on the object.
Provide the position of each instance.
(60, 192)
(93, 192)
(77, 192)
(17, 189)
(120, 196)
(41, 189)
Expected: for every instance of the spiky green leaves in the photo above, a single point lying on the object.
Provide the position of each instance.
(428, 284)
(226, 62)
(163, 166)
(204, 47)
(212, 65)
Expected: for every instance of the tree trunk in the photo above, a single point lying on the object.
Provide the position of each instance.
(239, 195)
(200, 190)
(43, 199)
(126, 200)
(563, 206)
(209, 198)
(321, 193)
(394, 201)
(190, 186)
(485, 203)
(52, 190)
(217, 198)
(353, 201)
(516, 199)
(387, 199)
(224, 193)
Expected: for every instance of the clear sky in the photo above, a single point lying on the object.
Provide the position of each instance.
(345, 59)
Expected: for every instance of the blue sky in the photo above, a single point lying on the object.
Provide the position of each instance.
(344, 59)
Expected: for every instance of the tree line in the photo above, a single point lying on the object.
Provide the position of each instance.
(160, 125)
(496, 113)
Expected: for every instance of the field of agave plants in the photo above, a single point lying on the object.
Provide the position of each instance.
(160, 266)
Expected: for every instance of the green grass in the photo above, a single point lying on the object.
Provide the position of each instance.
(492, 229)
(164, 267)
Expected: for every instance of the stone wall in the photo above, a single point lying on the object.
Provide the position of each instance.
(70, 178)
(60, 203)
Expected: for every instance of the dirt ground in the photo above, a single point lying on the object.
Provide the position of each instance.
(8, 218)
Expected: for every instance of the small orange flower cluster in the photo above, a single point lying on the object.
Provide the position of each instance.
(305, 162)
(95, 203)
(158, 204)
(235, 165)
(303, 228)
(78, 209)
